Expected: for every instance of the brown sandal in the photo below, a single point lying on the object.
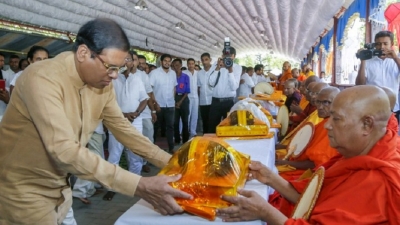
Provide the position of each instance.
(85, 201)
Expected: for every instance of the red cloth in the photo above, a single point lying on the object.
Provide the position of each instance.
(360, 190)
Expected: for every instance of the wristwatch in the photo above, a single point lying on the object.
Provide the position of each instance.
(153, 111)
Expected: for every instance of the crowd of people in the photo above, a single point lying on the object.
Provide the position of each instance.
(54, 108)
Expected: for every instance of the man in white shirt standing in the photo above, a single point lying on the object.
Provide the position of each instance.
(149, 116)
(383, 70)
(225, 82)
(259, 72)
(132, 99)
(246, 84)
(204, 89)
(163, 82)
(193, 97)
(9, 74)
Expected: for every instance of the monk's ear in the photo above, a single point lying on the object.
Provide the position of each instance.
(368, 124)
(82, 53)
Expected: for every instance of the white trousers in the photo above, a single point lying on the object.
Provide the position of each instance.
(69, 219)
(148, 131)
(85, 188)
(193, 115)
(135, 162)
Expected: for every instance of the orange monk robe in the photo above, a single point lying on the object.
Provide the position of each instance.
(302, 77)
(285, 76)
(360, 190)
(318, 151)
(286, 207)
(303, 102)
(312, 118)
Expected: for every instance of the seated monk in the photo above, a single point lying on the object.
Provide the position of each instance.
(313, 89)
(318, 151)
(286, 74)
(292, 95)
(303, 102)
(361, 186)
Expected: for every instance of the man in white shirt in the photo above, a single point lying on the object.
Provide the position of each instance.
(225, 82)
(204, 89)
(193, 97)
(163, 82)
(259, 72)
(132, 99)
(149, 114)
(383, 70)
(9, 74)
(246, 84)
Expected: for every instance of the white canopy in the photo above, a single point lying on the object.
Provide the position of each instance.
(288, 27)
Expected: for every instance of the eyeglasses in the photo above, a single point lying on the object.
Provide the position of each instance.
(111, 69)
(324, 102)
(313, 93)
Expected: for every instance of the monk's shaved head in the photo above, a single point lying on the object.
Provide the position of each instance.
(292, 81)
(311, 79)
(332, 91)
(359, 116)
(325, 99)
(314, 91)
(391, 95)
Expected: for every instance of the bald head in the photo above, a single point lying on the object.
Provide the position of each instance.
(324, 100)
(391, 95)
(311, 79)
(360, 116)
(314, 91)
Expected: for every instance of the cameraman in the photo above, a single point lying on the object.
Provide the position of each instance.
(225, 82)
(383, 70)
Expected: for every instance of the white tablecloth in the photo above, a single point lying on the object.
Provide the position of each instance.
(263, 150)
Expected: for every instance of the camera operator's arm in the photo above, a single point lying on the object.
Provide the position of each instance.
(361, 79)
(235, 72)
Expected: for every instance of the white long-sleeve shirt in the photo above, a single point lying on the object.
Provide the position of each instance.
(245, 88)
(129, 92)
(227, 84)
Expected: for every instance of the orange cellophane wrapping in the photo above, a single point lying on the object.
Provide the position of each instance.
(210, 168)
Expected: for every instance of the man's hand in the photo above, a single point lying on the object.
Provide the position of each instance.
(178, 105)
(259, 172)
(390, 53)
(358, 52)
(242, 81)
(295, 108)
(249, 207)
(4, 96)
(130, 116)
(156, 191)
(153, 117)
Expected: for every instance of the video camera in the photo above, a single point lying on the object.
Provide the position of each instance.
(369, 52)
(227, 53)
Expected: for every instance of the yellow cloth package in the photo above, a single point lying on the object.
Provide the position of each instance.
(210, 168)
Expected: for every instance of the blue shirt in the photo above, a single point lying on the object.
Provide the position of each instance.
(183, 86)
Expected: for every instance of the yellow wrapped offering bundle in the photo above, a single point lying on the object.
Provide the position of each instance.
(241, 123)
(210, 168)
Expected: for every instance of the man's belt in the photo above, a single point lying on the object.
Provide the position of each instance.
(223, 99)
